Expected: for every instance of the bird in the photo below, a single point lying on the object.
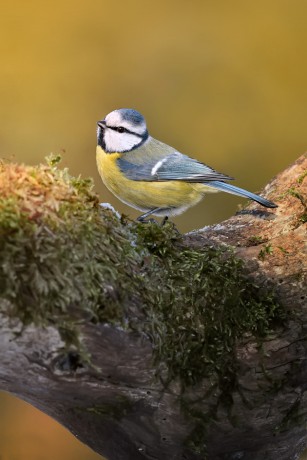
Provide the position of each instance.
(151, 176)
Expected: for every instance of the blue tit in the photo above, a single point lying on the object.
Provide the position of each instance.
(152, 176)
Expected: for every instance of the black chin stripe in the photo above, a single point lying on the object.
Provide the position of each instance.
(100, 140)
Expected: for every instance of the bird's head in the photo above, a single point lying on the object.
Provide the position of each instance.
(121, 131)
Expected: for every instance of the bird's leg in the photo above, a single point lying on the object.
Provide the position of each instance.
(143, 217)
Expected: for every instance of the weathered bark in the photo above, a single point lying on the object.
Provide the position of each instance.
(118, 406)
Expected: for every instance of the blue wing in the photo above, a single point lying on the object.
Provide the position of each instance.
(172, 165)
(175, 166)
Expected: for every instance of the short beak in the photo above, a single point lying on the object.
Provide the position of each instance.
(101, 124)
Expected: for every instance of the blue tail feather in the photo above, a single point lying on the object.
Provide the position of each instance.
(223, 186)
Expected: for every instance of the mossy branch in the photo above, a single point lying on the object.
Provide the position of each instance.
(150, 343)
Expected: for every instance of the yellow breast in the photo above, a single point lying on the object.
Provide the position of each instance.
(144, 195)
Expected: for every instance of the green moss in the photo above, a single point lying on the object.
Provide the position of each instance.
(61, 267)
(267, 250)
(295, 192)
(283, 250)
(301, 178)
(48, 267)
(201, 305)
(53, 160)
(303, 218)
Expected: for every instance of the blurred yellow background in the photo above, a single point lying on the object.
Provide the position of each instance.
(28, 434)
(222, 81)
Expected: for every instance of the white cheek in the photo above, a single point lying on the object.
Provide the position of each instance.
(120, 142)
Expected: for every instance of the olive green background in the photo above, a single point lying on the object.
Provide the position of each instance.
(223, 81)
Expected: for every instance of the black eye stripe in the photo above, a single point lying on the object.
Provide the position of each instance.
(121, 129)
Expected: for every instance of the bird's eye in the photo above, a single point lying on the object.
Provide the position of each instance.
(120, 129)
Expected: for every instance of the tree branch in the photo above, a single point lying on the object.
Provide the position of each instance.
(147, 344)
